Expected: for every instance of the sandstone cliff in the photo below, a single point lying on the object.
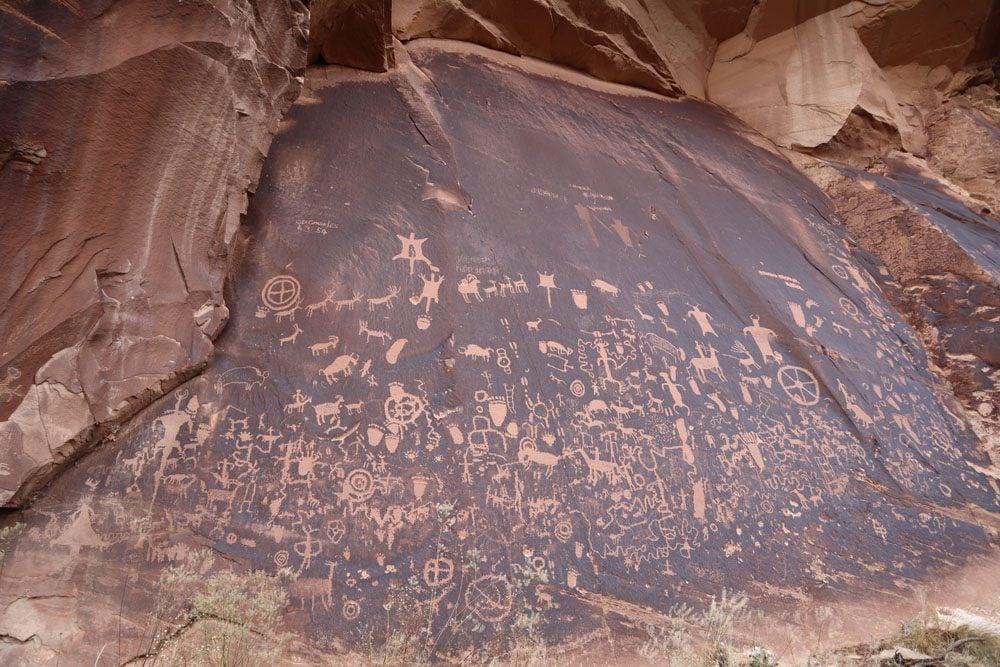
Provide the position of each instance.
(705, 302)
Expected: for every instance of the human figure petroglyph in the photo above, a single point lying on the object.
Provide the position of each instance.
(673, 387)
(299, 402)
(318, 349)
(169, 442)
(706, 361)
(388, 300)
(703, 319)
(762, 337)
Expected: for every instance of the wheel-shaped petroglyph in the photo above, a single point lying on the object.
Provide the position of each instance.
(438, 571)
(281, 292)
(800, 384)
(402, 407)
(490, 598)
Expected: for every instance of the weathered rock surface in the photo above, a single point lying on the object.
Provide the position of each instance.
(355, 33)
(944, 262)
(799, 77)
(583, 353)
(129, 136)
(663, 46)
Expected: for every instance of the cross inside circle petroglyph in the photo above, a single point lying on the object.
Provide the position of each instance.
(281, 292)
(438, 571)
(490, 598)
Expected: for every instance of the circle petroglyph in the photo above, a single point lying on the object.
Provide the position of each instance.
(281, 292)
(403, 408)
(490, 598)
(351, 610)
(359, 485)
(438, 571)
(800, 384)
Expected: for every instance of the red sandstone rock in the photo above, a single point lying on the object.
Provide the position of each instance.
(130, 134)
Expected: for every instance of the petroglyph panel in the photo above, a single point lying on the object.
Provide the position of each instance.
(641, 363)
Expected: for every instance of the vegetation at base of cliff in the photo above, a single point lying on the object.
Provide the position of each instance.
(225, 619)
(221, 619)
(925, 641)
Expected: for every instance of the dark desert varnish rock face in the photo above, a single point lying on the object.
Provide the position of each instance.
(502, 344)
